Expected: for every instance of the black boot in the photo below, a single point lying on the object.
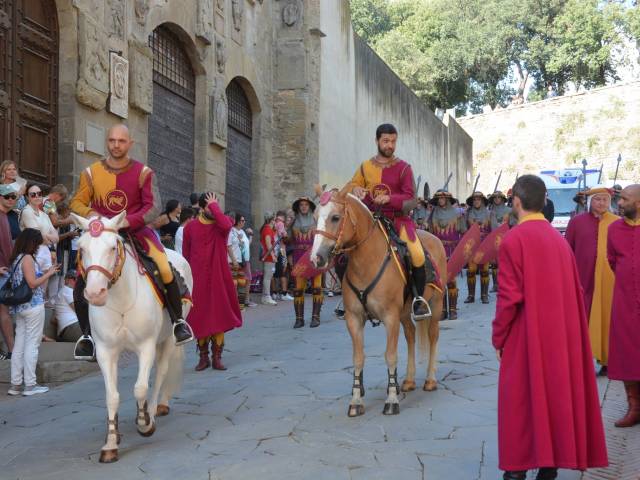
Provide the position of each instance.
(181, 329)
(471, 285)
(484, 286)
(547, 474)
(513, 475)
(317, 306)
(421, 310)
(85, 348)
(453, 302)
(298, 307)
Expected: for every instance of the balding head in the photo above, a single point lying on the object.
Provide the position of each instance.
(629, 201)
(119, 142)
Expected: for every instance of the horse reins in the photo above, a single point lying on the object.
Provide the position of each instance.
(337, 248)
(114, 275)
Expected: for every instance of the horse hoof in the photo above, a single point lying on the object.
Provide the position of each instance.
(355, 410)
(109, 456)
(150, 432)
(430, 386)
(162, 410)
(391, 409)
(408, 386)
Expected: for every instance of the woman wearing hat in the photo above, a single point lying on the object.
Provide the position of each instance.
(478, 213)
(302, 232)
(447, 223)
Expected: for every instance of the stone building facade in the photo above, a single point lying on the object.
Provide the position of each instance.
(234, 96)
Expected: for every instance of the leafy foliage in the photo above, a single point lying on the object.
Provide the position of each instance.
(470, 53)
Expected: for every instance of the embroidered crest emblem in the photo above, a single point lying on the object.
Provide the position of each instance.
(116, 201)
(380, 189)
(96, 227)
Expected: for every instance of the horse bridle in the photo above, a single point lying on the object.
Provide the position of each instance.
(113, 276)
(338, 248)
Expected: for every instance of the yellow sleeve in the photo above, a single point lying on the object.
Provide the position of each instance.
(81, 202)
(358, 179)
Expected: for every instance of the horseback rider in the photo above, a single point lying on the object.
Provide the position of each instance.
(448, 224)
(478, 213)
(301, 235)
(106, 188)
(500, 213)
(385, 184)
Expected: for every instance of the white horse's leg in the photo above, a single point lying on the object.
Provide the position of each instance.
(355, 324)
(144, 419)
(163, 357)
(392, 403)
(108, 362)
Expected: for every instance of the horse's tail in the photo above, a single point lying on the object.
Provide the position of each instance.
(173, 380)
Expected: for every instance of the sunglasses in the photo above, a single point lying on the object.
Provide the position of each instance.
(10, 196)
(35, 194)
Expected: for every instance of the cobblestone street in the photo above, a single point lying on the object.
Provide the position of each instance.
(279, 411)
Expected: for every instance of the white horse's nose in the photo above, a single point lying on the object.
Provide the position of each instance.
(97, 298)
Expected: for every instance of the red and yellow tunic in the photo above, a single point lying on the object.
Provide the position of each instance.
(107, 192)
(395, 180)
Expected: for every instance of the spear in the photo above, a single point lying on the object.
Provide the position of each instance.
(495, 189)
(600, 174)
(617, 167)
(475, 185)
(584, 172)
(446, 184)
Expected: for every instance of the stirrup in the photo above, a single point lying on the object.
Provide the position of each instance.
(187, 340)
(89, 358)
(418, 318)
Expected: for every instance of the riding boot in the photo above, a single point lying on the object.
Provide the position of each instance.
(547, 473)
(317, 306)
(181, 329)
(633, 413)
(453, 303)
(216, 356)
(203, 347)
(421, 310)
(484, 286)
(85, 348)
(494, 276)
(471, 285)
(515, 475)
(298, 307)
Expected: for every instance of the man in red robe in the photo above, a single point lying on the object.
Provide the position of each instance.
(587, 236)
(215, 304)
(548, 409)
(623, 252)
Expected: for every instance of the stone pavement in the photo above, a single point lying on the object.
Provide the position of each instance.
(278, 412)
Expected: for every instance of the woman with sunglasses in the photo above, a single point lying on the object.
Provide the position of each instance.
(33, 216)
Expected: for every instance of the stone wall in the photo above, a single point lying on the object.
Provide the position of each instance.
(596, 125)
(359, 92)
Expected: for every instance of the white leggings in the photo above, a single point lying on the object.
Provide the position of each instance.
(266, 278)
(29, 327)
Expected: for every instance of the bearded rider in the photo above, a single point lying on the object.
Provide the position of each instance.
(301, 235)
(385, 183)
(106, 188)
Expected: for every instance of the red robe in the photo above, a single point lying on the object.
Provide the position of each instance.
(215, 302)
(548, 408)
(623, 253)
(582, 235)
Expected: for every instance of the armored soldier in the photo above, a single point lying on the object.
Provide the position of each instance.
(478, 213)
(448, 224)
(302, 232)
(580, 200)
(500, 213)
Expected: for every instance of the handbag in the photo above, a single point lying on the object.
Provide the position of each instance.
(18, 295)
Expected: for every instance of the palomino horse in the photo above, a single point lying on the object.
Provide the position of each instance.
(126, 315)
(345, 224)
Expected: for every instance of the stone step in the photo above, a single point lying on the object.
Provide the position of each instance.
(55, 364)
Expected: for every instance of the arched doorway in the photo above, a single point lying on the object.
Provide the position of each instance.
(238, 192)
(29, 87)
(171, 125)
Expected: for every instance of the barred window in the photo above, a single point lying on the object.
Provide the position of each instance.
(239, 109)
(171, 65)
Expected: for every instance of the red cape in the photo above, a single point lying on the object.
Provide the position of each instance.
(582, 235)
(548, 406)
(215, 301)
(623, 253)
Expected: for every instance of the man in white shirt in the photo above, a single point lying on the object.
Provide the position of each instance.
(68, 326)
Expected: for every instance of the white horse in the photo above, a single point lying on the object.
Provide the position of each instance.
(125, 314)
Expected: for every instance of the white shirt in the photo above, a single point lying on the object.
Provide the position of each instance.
(64, 313)
(178, 239)
(239, 243)
(29, 218)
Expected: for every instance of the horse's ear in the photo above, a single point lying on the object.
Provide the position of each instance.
(81, 222)
(116, 222)
(348, 188)
(319, 190)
